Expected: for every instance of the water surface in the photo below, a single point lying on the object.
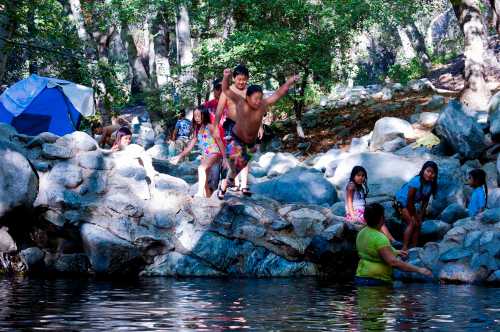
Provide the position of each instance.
(159, 304)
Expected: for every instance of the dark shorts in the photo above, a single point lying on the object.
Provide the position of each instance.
(365, 281)
(239, 154)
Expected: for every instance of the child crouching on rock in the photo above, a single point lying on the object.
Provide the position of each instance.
(418, 190)
(355, 200)
(479, 197)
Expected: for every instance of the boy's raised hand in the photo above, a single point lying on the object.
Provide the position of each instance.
(293, 79)
(227, 72)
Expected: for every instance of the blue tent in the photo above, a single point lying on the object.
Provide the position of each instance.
(40, 104)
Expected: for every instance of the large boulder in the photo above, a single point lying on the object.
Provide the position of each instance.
(386, 172)
(18, 180)
(108, 253)
(460, 130)
(300, 185)
(388, 129)
(494, 116)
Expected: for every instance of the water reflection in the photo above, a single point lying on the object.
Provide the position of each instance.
(241, 304)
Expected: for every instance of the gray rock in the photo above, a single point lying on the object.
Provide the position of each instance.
(159, 151)
(66, 174)
(72, 264)
(453, 212)
(338, 209)
(359, 145)
(42, 138)
(54, 151)
(491, 175)
(300, 185)
(494, 114)
(175, 264)
(387, 129)
(427, 119)
(436, 102)
(494, 198)
(459, 272)
(455, 254)
(434, 229)
(494, 277)
(461, 131)
(490, 216)
(334, 231)
(107, 253)
(7, 243)
(18, 181)
(94, 160)
(450, 185)
(394, 144)
(32, 258)
(167, 182)
(382, 180)
(41, 166)
(78, 141)
(472, 239)
(281, 163)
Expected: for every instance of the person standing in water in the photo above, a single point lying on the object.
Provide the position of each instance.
(377, 257)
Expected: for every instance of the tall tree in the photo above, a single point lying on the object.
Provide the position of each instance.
(476, 93)
(183, 39)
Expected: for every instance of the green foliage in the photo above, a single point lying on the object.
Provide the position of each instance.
(405, 73)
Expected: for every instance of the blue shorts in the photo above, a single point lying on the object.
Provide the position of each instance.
(366, 281)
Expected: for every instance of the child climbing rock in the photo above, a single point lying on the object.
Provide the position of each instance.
(418, 190)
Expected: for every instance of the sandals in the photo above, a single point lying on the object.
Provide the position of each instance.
(246, 192)
(221, 193)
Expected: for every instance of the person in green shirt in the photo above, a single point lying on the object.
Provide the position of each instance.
(377, 257)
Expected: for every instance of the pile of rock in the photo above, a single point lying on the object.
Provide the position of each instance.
(125, 213)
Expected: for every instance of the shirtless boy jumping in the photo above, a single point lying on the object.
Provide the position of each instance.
(249, 113)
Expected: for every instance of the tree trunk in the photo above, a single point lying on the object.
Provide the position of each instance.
(298, 105)
(418, 43)
(161, 42)
(183, 39)
(495, 22)
(133, 35)
(476, 93)
(8, 26)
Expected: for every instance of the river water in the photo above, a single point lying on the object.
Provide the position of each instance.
(160, 304)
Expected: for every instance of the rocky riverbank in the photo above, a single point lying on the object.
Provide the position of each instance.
(71, 208)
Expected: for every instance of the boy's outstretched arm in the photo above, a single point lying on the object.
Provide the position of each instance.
(282, 91)
(236, 98)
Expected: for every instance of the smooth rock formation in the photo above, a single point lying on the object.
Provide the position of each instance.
(388, 129)
(18, 180)
(299, 185)
(461, 131)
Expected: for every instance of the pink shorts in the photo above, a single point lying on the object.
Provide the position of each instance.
(358, 216)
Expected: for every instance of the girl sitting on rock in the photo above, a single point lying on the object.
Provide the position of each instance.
(123, 138)
(355, 199)
(203, 135)
(479, 198)
(418, 190)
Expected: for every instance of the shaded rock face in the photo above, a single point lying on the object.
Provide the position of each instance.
(468, 253)
(18, 181)
(299, 185)
(461, 131)
(494, 116)
(386, 172)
